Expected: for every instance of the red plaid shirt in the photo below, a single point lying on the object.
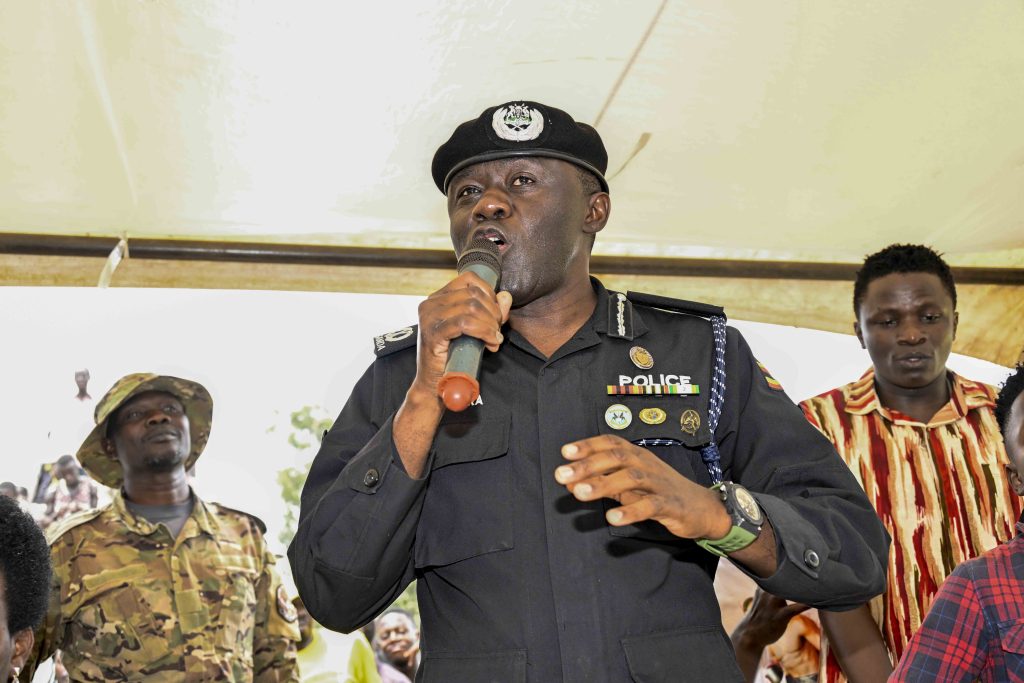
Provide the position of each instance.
(975, 627)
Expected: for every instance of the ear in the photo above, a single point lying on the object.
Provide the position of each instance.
(23, 642)
(599, 208)
(956, 322)
(108, 447)
(860, 335)
(1015, 481)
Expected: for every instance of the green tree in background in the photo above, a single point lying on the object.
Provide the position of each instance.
(308, 426)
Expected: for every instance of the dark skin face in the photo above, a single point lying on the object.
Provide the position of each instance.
(70, 474)
(14, 647)
(151, 438)
(540, 216)
(907, 324)
(1014, 441)
(397, 638)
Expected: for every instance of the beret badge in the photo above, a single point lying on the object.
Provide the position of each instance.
(517, 122)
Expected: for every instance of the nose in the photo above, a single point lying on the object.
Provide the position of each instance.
(910, 333)
(492, 205)
(156, 416)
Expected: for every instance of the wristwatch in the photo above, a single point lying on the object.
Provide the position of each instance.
(747, 520)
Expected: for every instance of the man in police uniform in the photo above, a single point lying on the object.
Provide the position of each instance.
(160, 585)
(566, 527)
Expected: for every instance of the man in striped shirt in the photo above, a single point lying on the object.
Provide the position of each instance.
(923, 442)
(973, 630)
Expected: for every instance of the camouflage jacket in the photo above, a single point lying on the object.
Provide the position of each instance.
(130, 603)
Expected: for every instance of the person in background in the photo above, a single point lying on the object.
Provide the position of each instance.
(24, 586)
(74, 491)
(9, 490)
(973, 630)
(159, 585)
(328, 657)
(792, 639)
(82, 382)
(924, 444)
(397, 641)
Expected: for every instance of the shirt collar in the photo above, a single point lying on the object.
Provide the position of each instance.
(966, 395)
(205, 521)
(607, 310)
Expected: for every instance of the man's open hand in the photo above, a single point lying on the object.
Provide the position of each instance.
(645, 486)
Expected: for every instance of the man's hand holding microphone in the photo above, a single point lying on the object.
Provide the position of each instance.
(455, 324)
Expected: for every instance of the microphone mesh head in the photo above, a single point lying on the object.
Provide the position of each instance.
(481, 250)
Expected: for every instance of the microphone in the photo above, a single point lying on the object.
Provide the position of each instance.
(459, 387)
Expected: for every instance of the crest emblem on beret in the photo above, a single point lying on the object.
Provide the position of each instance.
(517, 122)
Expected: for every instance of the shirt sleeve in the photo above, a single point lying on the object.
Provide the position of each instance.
(352, 551)
(954, 642)
(832, 548)
(276, 632)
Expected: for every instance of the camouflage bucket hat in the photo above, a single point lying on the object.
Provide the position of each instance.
(106, 468)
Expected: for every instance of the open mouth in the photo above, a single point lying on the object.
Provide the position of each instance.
(494, 236)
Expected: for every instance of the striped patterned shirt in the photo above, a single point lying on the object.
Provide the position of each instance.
(939, 488)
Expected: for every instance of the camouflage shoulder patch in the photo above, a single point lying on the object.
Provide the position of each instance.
(55, 531)
(384, 344)
(259, 522)
(773, 383)
(285, 607)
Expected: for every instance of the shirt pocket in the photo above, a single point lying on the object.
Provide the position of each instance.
(1011, 640)
(692, 654)
(111, 618)
(231, 599)
(490, 667)
(666, 440)
(467, 508)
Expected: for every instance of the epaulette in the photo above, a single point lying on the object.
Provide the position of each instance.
(384, 344)
(676, 305)
(58, 529)
(259, 522)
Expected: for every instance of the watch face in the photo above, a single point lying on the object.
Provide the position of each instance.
(747, 505)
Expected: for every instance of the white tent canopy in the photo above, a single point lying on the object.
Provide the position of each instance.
(787, 131)
(780, 130)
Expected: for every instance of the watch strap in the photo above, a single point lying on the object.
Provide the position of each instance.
(738, 538)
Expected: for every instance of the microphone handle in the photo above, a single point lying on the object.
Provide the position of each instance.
(459, 385)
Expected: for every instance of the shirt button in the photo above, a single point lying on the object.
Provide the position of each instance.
(811, 559)
(371, 477)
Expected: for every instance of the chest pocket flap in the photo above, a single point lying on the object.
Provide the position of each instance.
(467, 508)
(1011, 636)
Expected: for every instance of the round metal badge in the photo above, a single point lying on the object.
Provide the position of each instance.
(689, 421)
(517, 123)
(641, 358)
(618, 416)
(652, 416)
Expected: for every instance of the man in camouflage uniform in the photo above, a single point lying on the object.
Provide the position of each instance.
(160, 585)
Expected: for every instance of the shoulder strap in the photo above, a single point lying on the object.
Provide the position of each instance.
(55, 531)
(259, 522)
(384, 344)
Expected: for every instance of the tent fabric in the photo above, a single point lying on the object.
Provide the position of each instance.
(784, 131)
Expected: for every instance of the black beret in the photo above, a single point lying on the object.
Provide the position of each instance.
(520, 129)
